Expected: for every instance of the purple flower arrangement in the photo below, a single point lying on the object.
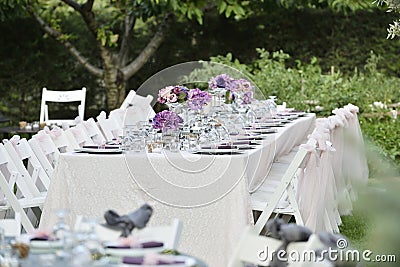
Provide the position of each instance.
(234, 87)
(241, 85)
(172, 94)
(220, 81)
(197, 99)
(247, 97)
(166, 120)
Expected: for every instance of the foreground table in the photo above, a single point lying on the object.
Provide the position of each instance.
(209, 193)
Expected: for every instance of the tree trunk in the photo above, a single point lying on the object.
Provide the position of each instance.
(115, 93)
(114, 81)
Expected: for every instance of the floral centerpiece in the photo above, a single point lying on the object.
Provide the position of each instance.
(172, 94)
(236, 88)
(166, 120)
(222, 81)
(197, 99)
(243, 89)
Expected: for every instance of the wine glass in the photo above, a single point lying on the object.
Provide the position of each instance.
(272, 105)
(62, 232)
(93, 242)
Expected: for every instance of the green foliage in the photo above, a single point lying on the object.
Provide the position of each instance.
(306, 87)
(393, 6)
(385, 132)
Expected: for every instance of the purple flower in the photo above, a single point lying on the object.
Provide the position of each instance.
(247, 97)
(166, 120)
(220, 81)
(197, 99)
(241, 85)
(172, 94)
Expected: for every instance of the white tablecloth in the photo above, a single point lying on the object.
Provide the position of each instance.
(210, 194)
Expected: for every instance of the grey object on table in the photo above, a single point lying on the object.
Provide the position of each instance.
(137, 219)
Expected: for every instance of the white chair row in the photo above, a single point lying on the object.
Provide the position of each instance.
(26, 167)
(317, 183)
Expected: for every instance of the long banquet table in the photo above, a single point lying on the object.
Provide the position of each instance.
(210, 194)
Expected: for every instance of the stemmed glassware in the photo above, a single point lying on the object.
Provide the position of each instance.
(272, 105)
(62, 232)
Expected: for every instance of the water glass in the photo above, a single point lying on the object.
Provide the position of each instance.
(62, 231)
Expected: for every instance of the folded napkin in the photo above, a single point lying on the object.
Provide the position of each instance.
(101, 147)
(219, 147)
(137, 219)
(244, 142)
(149, 244)
(153, 259)
(42, 236)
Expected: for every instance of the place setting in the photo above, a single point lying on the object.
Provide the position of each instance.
(117, 240)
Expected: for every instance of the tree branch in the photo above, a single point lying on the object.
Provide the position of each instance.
(58, 36)
(73, 4)
(129, 24)
(149, 50)
(86, 12)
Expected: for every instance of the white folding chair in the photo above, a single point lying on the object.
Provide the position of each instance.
(169, 235)
(144, 102)
(118, 115)
(79, 135)
(64, 97)
(45, 150)
(109, 127)
(258, 250)
(253, 248)
(64, 142)
(17, 174)
(306, 252)
(19, 151)
(266, 198)
(12, 227)
(26, 195)
(94, 131)
(128, 99)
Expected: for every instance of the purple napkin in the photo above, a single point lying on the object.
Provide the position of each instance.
(103, 147)
(220, 147)
(140, 260)
(150, 244)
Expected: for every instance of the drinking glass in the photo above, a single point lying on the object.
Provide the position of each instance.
(272, 105)
(250, 116)
(62, 231)
(93, 242)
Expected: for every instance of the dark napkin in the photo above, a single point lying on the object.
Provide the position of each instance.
(101, 147)
(220, 147)
(43, 238)
(150, 244)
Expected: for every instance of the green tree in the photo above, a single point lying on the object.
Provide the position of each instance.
(393, 6)
(111, 25)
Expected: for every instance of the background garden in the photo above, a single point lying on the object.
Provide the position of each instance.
(315, 58)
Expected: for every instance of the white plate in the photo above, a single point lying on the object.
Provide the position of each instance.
(188, 262)
(42, 244)
(131, 252)
(99, 150)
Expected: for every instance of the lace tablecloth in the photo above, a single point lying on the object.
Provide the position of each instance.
(209, 193)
